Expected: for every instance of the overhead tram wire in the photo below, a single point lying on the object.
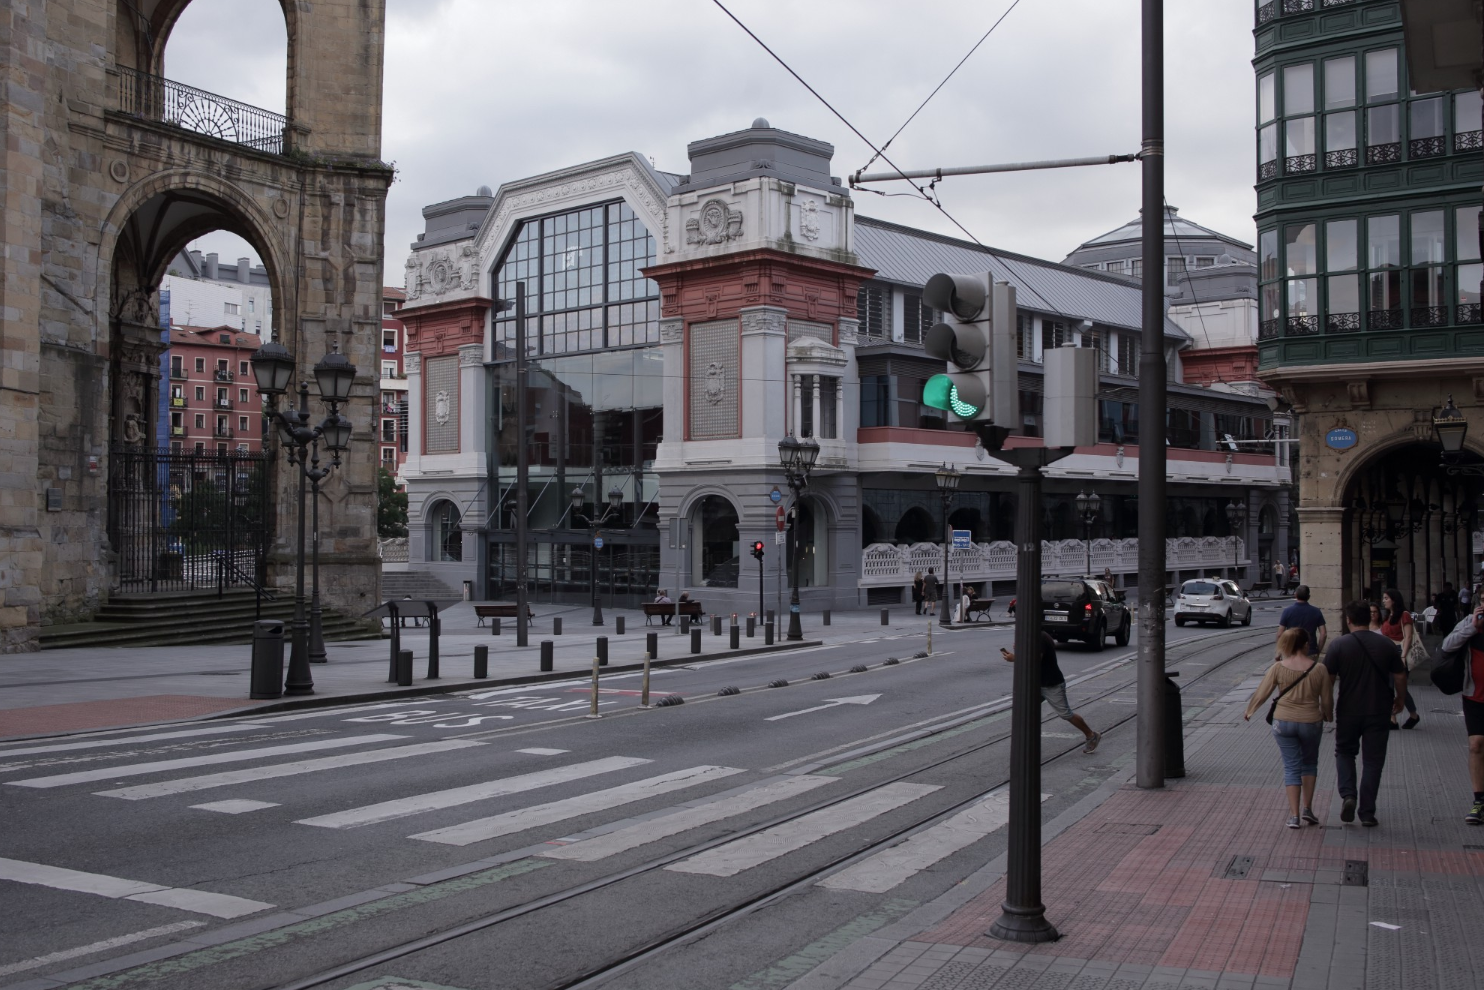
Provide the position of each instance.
(880, 153)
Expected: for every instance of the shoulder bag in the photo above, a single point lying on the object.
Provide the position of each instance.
(1449, 666)
(1274, 706)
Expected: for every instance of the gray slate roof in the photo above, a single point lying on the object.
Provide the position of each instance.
(910, 257)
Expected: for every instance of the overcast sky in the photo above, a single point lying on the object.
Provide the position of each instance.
(488, 91)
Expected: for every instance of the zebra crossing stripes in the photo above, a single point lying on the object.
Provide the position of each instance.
(213, 730)
(454, 796)
(879, 873)
(118, 888)
(205, 759)
(653, 829)
(583, 804)
(183, 785)
(754, 850)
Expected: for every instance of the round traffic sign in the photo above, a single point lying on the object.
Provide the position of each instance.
(597, 543)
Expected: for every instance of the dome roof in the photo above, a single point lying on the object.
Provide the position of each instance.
(1176, 226)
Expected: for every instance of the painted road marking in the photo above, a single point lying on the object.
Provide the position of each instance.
(654, 829)
(215, 730)
(207, 759)
(63, 955)
(434, 800)
(236, 806)
(186, 784)
(879, 873)
(860, 699)
(583, 804)
(117, 888)
(743, 854)
(538, 751)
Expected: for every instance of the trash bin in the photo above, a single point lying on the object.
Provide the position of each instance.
(468, 591)
(1174, 728)
(267, 659)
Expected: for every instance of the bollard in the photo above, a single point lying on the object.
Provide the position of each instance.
(556, 626)
(736, 636)
(434, 628)
(644, 685)
(695, 640)
(481, 662)
(652, 646)
(751, 626)
(495, 626)
(826, 620)
(593, 711)
(771, 616)
(685, 625)
(618, 625)
(267, 659)
(546, 651)
(602, 651)
(768, 632)
(404, 668)
(734, 618)
(886, 617)
(716, 625)
(1174, 728)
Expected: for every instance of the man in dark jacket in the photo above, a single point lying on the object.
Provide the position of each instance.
(1469, 636)
(1367, 667)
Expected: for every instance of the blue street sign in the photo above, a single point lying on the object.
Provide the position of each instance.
(776, 495)
(961, 539)
(1341, 438)
(597, 543)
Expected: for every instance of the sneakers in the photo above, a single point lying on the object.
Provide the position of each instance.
(1475, 815)
(1092, 743)
(1310, 817)
(1347, 810)
(1295, 822)
(1411, 723)
(1369, 821)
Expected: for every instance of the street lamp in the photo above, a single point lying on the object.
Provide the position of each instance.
(797, 457)
(615, 502)
(273, 368)
(1088, 507)
(1236, 513)
(948, 480)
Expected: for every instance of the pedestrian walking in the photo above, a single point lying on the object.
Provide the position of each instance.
(1302, 615)
(930, 590)
(1054, 691)
(1280, 576)
(1372, 686)
(1108, 577)
(1303, 704)
(917, 593)
(1397, 626)
(1467, 639)
(1293, 573)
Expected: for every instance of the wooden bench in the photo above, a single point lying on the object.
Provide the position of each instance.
(662, 609)
(1260, 589)
(499, 611)
(977, 606)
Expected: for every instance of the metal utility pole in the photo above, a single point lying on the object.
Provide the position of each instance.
(522, 467)
(1151, 662)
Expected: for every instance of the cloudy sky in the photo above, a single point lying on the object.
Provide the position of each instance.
(487, 91)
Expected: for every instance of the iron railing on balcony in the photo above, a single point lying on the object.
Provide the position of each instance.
(170, 102)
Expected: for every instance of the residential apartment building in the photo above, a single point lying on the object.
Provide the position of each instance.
(204, 292)
(391, 418)
(212, 399)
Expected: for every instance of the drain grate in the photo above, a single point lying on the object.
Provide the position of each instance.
(1473, 849)
(1357, 873)
(1126, 828)
(1238, 868)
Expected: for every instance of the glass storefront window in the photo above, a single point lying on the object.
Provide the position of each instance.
(1340, 253)
(1298, 89)
(1381, 75)
(1339, 82)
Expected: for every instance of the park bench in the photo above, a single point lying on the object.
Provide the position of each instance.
(662, 609)
(1259, 589)
(499, 611)
(977, 607)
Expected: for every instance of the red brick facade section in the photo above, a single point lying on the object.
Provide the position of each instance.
(443, 328)
(1219, 364)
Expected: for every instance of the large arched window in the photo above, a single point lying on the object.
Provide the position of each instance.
(916, 526)
(584, 288)
(715, 550)
(447, 543)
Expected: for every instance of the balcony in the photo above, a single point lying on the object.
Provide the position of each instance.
(223, 375)
(1269, 9)
(167, 102)
(177, 401)
(177, 431)
(178, 374)
(223, 433)
(223, 403)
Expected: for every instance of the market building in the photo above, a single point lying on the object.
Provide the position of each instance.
(679, 326)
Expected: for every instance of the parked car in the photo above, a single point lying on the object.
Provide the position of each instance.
(1086, 609)
(1215, 600)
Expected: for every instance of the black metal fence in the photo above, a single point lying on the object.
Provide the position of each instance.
(180, 521)
(170, 102)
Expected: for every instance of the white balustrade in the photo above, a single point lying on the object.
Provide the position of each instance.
(884, 564)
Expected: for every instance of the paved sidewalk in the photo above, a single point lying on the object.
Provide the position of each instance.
(67, 690)
(1201, 885)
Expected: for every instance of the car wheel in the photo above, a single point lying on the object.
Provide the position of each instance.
(1226, 620)
(1099, 637)
(1247, 621)
(1179, 620)
(1121, 637)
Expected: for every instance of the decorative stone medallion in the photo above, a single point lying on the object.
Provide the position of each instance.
(809, 220)
(440, 408)
(118, 170)
(716, 383)
(716, 223)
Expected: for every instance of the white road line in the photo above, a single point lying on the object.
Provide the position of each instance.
(743, 854)
(236, 806)
(583, 804)
(36, 962)
(195, 901)
(879, 873)
(538, 751)
(139, 792)
(207, 759)
(215, 730)
(654, 829)
(434, 800)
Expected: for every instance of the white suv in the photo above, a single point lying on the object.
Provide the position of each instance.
(1215, 600)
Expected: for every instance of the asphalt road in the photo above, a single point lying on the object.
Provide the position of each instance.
(292, 850)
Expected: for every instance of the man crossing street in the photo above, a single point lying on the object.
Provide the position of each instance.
(1372, 688)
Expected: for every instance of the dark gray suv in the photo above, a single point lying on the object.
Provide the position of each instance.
(1085, 609)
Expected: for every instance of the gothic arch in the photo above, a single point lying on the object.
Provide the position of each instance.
(1345, 478)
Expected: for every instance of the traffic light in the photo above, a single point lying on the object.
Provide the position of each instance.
(757, 549)
(961, 337)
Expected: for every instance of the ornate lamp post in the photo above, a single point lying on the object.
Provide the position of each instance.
(1236, 514)
(947, 479)
(615, 502)
(1088, 507)
(273, 367)
(797, 457)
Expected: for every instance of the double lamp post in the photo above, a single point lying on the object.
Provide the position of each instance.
(947, 479)
(273, 367)
(797, 457)
(579, 502)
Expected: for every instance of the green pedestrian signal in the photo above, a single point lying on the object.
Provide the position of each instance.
(942, 392)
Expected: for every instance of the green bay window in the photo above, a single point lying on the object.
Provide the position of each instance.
(1467, 122)
(1302, 290)
(1426, 128)
(1298, 108)
(1270, 315)
(1342, 285)
(1429, 301)
(1340, 133)
(1384, 281)
(1383, 115)
(1267, 128)
(1468, 272)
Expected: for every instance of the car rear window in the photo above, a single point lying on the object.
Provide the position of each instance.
(1198, 588)
(1061, 591)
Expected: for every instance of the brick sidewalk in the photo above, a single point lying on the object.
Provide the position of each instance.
(1201, 885)
(83, 715)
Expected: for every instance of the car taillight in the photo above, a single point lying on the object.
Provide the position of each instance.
(1088, 608)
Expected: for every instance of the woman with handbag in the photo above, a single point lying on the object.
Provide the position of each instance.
(917, 592)
(1401, 630)
(1304, 702)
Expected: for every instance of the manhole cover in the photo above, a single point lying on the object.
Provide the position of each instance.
(1357, 873)
(1126, 828)
(1238, 867)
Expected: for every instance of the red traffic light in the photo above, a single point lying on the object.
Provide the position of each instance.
(757, 549)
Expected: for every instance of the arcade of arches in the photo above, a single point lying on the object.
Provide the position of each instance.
(112, 168)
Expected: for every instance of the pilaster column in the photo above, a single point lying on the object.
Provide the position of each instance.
(1322, 557)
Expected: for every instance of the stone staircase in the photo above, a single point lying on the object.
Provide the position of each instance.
(417, 585)
(188, 618)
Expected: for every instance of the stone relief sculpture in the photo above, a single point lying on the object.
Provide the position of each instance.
(716, 223)
(440, 407)
(716, 383)
(809, 220)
